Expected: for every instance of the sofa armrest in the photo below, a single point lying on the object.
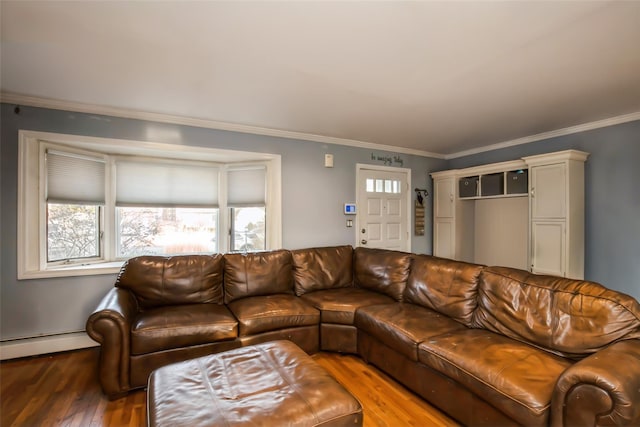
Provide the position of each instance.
(110, 325)
(602, 389)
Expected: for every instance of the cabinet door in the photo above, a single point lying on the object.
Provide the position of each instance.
(548, 240)
(445, 196)
(443, 238)
(548, 191)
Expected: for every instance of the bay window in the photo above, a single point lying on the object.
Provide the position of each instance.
(85, 205)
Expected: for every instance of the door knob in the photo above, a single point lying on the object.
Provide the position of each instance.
(363, 241)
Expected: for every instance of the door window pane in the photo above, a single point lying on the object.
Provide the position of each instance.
(73, 231)
(370, 185)
(166, 231)
(379, 186)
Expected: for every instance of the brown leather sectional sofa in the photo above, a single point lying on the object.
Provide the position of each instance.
(487, 345)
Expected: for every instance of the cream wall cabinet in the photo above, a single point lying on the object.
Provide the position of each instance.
(556, 203)
(452, 222)
(548, 225)
(444, 216)
(445, 197)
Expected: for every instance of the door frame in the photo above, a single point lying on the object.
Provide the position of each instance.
(407, 172)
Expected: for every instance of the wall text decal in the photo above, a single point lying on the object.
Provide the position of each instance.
(388, 160)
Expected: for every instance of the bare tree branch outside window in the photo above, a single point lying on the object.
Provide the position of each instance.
(72, 231)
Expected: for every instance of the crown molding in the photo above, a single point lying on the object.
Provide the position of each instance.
(12, 98)
(551, 134)
(55, 104)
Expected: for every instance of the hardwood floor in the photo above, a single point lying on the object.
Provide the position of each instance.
(62, 390)
(385, 402)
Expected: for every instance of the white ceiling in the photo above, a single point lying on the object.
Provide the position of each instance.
(437, 77)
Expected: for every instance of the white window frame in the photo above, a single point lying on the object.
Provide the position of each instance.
(42, 195)
(32, 234)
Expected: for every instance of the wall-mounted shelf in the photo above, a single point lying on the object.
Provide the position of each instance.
(507, 179)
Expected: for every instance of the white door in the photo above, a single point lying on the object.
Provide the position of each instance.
(383, 208)
(444, 218)
(443, 238)
(548, 191)
(445, 195)
(548, 248)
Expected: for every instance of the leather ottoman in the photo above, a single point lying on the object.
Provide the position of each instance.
(270, 384)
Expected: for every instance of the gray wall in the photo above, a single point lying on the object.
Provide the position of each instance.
(312, 199)
(312, 204)
(612, 198)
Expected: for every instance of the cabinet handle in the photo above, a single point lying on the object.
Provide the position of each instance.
(533, 192)
(451, 197)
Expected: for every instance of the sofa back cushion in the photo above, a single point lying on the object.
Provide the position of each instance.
(322, 268)
(446, 286)
(185, 279)
(258, 273)
(382, 271)
(572, 318)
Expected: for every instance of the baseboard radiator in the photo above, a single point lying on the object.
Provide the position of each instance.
(25, 347)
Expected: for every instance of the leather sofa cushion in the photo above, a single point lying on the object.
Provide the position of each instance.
(382, 270)
(158, 281)
(403, 326)
(322, 268)
(181, 326)
(259, 273)
(514, 377)
(447, 286)
(340, 305)
(568, 317)
(271, 312)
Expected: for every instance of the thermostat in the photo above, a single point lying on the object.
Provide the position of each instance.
(349, 208)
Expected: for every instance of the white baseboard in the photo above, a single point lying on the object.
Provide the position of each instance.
(43, 345)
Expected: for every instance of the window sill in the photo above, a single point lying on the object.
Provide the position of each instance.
(73, 270)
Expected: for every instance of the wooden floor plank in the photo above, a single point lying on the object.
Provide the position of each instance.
(62, 390)
(385, 402)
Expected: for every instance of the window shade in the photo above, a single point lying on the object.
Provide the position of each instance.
(73, 178)
(166, 185)
(246, 187)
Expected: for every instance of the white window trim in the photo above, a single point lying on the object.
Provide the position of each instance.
(31, 245)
